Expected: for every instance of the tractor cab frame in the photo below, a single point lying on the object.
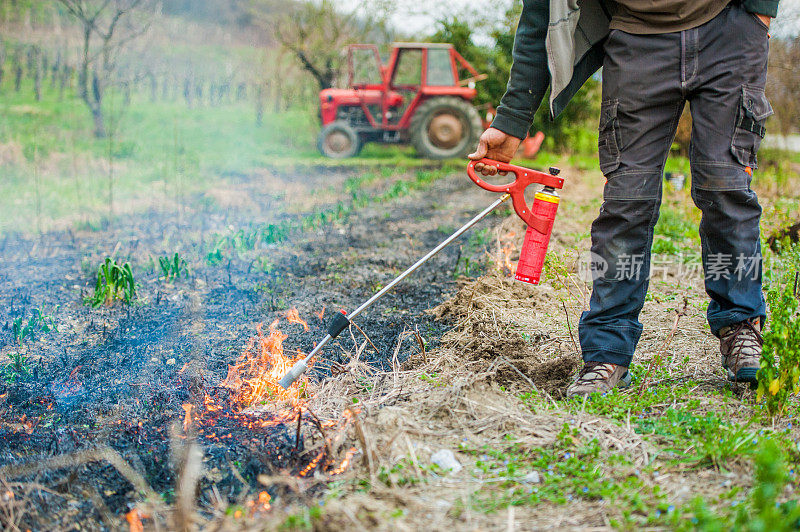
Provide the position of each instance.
(417, 95)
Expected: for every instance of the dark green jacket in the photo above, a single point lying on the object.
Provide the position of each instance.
(559, 44)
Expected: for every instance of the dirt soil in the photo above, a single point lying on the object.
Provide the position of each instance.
(93, 433)
(118, 377)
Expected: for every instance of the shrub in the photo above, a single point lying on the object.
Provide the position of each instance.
(780, 360)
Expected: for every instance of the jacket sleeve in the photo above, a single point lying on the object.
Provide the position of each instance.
(530, 76)
(762, 7)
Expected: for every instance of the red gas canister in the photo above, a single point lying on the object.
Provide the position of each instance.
(534, 247)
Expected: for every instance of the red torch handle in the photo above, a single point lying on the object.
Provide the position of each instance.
(524, 177)
(534, 247)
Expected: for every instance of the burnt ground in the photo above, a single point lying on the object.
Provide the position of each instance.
(119, 376)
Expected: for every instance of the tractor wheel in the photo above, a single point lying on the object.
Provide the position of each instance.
(445, 127)
(338, 140)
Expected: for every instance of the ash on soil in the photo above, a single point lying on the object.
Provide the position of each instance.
(118, 376)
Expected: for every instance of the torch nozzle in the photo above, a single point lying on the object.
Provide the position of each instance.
(293, 374)
(301, 366)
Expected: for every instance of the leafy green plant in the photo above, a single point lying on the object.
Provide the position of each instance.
(465, 267)
(17, 369)
(23, 329)
(173, 267)
(779, 375)
(114, 283)
(761, 510)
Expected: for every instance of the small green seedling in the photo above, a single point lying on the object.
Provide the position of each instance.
(173, 268)
(17, 368)
(23, 329)
(114, 283)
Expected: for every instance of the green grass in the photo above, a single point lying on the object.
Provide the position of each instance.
(676, 231)
(570, 470)
(240, 241)
(55, 173)
(160, 152)
(762, 509)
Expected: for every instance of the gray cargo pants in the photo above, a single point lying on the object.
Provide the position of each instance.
(720, 69)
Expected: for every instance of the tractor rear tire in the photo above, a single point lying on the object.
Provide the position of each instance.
(338, 140)
(445, 127)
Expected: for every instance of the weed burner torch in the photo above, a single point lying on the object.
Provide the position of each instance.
(539, 218)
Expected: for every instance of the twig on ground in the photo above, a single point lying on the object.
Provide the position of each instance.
(321, 429)
(421, 345)
(365, 444)
(299, 425)
(667, 341)
(365, 336)
(569, 326)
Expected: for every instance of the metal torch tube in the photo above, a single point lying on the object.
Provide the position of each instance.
(300, 367)
(427, 257)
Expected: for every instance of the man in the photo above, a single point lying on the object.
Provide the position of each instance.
(656, 55)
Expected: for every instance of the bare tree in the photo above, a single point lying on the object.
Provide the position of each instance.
(111, 24)
(316, 32)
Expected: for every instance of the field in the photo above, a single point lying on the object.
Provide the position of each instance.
(150, 402)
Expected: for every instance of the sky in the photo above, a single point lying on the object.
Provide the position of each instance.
(419, 16)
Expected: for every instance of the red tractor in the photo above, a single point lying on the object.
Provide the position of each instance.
(418, 97)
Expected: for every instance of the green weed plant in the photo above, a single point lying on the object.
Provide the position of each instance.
(115, 282)
(779, 376)
(17, 369)
(762, 510)
(173, 267)
(23, 329)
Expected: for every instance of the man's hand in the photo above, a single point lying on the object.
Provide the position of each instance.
(496, 145)
(765, 19)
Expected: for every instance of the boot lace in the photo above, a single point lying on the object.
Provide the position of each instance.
(593, 372)
(744, 341)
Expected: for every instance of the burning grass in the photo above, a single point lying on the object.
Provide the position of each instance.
(248, 408)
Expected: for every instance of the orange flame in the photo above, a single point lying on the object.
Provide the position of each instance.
(506, 246)
(262, 504)
(321, 313)
(255, 375)
(345, 463)
(187, 417)
(134, 521)
(312, 465)
(253, 379)
(292, 316)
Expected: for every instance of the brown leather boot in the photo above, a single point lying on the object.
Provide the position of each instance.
(599, 377)
(740, 346)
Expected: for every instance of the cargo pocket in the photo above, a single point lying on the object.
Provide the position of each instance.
(749, 130)
(608, 139)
